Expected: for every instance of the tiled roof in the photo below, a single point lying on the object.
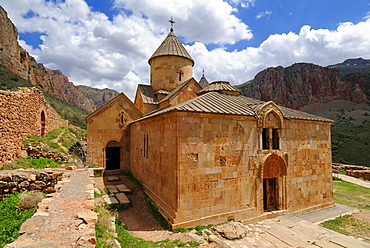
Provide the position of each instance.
(296, 114)
(171, 46)
(175, 90)
(148, 94)
(218, 103)
(221, 86)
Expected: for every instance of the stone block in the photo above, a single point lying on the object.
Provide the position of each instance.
(112, 188)
(88, 217)
(122, 198)
(213, 170)
(110, 200)
(32, 225)
(113, 178)
(37, 185)
(123, 188)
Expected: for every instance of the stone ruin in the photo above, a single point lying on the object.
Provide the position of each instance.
(24, 112)
(356, 171)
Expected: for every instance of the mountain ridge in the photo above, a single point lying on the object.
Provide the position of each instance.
(54, 82)
(304, 83)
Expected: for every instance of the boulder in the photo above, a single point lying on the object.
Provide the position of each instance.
(232, 230)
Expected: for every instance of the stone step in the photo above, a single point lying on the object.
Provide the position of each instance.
(110, 199)
(112, 188)
(123, 188)
(122, 198)
(113, 178)
(326, 244)
(346, 242)
(285, 235)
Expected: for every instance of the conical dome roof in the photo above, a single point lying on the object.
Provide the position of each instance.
(171, 46)
(222, 87)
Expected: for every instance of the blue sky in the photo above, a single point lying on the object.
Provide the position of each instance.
(108, 43)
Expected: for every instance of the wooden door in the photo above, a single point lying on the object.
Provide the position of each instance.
(269, 194)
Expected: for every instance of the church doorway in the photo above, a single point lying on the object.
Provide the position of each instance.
(112, 156)
(273, 174)
(269, 194)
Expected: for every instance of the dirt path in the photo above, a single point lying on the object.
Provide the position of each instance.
(138, 218)
(56, 140)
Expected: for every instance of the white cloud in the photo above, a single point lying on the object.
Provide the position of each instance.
(367, 14)
(243, 3)
(197, 20)
(321, 46)
(263, 13)
(92, 49)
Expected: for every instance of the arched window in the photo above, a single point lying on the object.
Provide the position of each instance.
(122, 118)
(270, 132)
(43, 123)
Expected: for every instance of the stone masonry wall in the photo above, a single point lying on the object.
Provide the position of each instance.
(29, 180)
(217, 175)
(153, 152)
(309, 180)
(21, 114)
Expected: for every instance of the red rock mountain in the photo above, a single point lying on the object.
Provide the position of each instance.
(302, 84)
(18, 60)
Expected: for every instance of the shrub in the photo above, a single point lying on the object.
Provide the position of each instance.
(29, 200)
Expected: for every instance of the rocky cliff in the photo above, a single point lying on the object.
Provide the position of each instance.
(97, 96)
(302, 84)
(18, 60)
(352, 65)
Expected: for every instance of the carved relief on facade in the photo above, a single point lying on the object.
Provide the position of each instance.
(270, 115)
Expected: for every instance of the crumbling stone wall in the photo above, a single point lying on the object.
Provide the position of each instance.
(29, 180)
(24, 112)
(356, 171)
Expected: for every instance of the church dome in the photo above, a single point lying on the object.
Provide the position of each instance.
(171, 46)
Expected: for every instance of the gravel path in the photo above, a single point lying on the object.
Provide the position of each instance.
(64, 220)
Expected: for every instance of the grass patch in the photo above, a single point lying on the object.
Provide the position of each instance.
(352, 195)
(127, 240)
(199, 229)
(10, 80)
(69, 137)
(36, 163)
(11, 219)
(348, 225)
(103, 229)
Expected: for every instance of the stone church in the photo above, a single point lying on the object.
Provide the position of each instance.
(206, 154)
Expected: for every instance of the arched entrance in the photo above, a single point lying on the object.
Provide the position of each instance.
(274, 172)
(112, 155)
(43, 123)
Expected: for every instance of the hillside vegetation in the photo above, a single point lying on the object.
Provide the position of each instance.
(11, 81)
(75, 115)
